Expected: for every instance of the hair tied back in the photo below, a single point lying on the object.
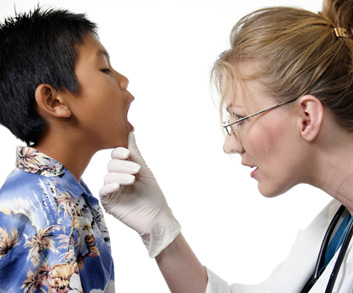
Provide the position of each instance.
(341, 32)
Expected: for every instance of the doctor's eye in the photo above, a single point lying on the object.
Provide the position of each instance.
(236, 117)
(239, 120)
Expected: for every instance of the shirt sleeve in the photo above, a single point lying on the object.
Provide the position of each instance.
(33, 259)
(217, 285)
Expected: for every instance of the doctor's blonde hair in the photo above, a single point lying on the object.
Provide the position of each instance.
(296, 52)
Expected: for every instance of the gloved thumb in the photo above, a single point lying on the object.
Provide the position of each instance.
(135, 154)
(136, 157)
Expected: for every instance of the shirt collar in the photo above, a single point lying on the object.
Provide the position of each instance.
(30, 160)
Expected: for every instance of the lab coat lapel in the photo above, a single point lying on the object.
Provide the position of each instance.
(301, 261)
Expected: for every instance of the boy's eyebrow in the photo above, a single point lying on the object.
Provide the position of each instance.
(103, 52)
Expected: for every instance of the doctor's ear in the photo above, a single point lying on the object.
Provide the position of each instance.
(51, 103)
(310, 117)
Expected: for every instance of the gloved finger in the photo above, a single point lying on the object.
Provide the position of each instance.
(120, 153)
(108, 189)
(122, 166)
(119, 178)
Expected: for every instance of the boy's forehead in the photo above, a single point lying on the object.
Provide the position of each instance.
(92, 48)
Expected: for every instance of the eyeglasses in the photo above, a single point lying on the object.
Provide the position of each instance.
(228, 125)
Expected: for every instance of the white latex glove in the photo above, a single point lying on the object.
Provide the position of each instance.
(132, 195)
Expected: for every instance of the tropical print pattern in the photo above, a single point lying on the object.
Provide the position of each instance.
(53, 237)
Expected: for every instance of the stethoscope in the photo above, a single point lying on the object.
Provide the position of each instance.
(321, 256)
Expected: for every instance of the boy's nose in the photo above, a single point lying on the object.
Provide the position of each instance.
(232, 145)
(123, 81)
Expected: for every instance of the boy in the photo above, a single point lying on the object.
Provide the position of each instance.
(60, 95)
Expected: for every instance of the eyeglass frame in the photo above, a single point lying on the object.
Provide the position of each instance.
(227, 125)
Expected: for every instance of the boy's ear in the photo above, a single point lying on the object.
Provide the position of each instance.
(51, 102)
(311, 114)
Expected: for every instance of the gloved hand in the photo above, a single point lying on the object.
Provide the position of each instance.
(132, 195)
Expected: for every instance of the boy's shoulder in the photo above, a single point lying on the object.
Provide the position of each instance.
(34, 173)
(29, 198)
(38, 187)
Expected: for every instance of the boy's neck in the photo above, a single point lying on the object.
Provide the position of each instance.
(73, 157)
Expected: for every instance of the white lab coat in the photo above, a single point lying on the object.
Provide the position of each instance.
(291, 275)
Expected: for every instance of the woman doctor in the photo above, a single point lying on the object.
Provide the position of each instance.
(287, 92)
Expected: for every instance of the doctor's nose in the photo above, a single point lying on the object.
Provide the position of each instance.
(232, 145)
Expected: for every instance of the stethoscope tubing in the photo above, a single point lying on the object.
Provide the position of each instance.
(326, 240)
(321, 256)
(340, 259)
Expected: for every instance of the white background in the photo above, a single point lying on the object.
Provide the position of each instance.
(166, 49)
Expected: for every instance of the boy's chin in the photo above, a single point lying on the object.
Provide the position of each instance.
(122, 142)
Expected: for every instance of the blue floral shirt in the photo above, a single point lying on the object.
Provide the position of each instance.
(52, 232)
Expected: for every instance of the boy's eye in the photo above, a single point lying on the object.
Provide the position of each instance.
(106, 70)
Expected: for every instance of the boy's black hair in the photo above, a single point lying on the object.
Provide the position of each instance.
(35, 48)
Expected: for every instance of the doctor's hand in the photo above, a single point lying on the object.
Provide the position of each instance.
(131, 194)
